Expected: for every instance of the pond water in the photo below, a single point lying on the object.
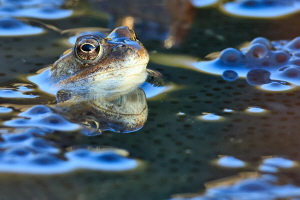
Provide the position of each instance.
(202, 134)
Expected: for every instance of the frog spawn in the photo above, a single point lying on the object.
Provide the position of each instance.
(246, 187)
(252, 8)
(10, 10)
(261, 8)
(26, 151)
(269, 164)
(42, 116)
(18, 90)
(203, 3)
(275, 65)
(249, 185)
(13, 27)
(34, 9)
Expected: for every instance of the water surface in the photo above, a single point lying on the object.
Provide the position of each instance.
(177, 150)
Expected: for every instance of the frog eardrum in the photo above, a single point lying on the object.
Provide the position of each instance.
(88, 47)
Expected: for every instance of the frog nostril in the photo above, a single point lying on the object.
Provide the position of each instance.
(87, 47)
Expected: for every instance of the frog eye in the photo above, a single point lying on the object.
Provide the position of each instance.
(88, 48)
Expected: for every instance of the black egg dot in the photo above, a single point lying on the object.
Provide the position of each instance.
(45, 160)
(19, 137)
(87, 47)
(109, 157)
(281, 57)
(19, 152)
(266, 63)
(39, 143)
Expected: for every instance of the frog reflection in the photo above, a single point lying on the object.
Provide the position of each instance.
(124, 114)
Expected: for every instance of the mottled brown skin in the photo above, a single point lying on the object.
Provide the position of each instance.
(95, 58)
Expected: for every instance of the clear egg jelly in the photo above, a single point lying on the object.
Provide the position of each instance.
(272, 65)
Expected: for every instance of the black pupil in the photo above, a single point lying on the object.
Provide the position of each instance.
(87, 47)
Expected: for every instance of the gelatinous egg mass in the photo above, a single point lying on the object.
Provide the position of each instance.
(210, 117)
(230, 162)
(261, 8)
(230, 75)
(203, 3)
(255, 110)
(28, 152)
(35, 9)
(15, 27)
(5, 110)
(247, 186)
(41, 116)
(273, 66)
(10, 10)
(27, 160)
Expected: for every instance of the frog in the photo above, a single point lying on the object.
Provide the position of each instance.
(114, 63)
(108, 66)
